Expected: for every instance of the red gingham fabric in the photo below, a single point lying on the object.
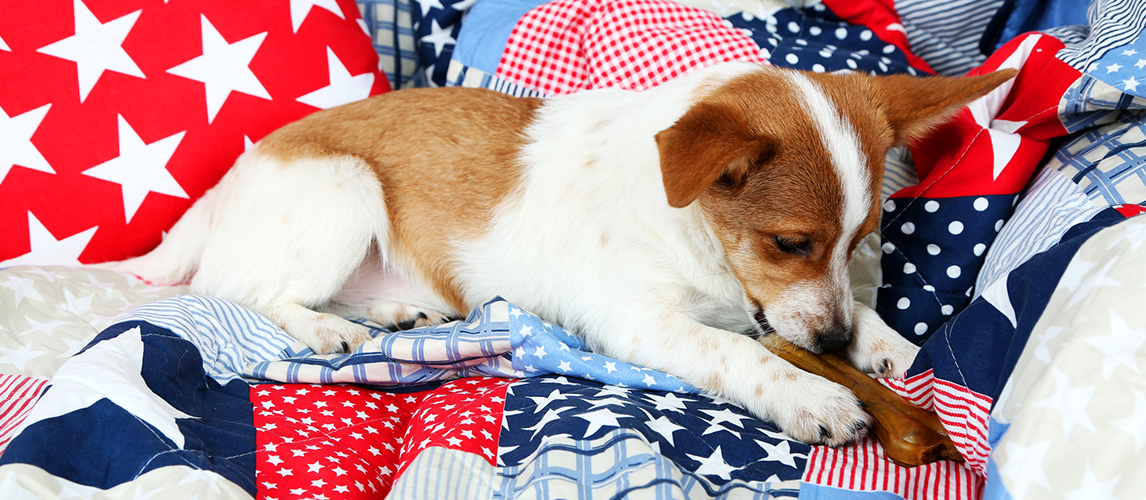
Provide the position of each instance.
(569, 45)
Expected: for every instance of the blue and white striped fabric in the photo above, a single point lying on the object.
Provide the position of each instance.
(497, 340)
(1052, 205)
(946, 34)
(229, 337)
(1113, 25)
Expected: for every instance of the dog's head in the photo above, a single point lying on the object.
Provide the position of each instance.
(786, 168)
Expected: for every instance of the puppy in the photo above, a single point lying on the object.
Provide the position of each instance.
(660, 226)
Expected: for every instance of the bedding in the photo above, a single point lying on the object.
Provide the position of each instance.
(1011, 250)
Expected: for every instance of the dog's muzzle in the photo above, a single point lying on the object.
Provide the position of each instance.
(835, 338)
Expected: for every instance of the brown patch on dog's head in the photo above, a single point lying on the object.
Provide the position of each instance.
(757, 157)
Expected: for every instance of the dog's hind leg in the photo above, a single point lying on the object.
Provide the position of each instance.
(286, 246)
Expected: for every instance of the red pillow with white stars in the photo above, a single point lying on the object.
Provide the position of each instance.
(115, 115)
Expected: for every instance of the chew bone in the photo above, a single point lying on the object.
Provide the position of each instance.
(910, 435)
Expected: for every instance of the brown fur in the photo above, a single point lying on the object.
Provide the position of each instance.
(445, 158)
(755, 162)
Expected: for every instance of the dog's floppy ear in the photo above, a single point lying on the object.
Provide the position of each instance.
(710, 142)
(914, 106)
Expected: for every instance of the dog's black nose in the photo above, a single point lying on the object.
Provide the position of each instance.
(835, 339)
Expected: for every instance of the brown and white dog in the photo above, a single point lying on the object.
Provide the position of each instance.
(660, 225)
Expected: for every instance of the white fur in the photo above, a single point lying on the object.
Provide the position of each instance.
(594, 248)
(795, 311)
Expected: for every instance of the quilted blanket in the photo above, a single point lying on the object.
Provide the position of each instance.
(1011, 250)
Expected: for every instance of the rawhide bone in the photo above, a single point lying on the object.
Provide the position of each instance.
(910, 435)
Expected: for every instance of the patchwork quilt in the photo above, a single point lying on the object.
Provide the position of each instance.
(1011, 250)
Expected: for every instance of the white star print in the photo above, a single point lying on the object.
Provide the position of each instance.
(550, 415)
(23, 288)
(16, 148)
(343, 88)
(1134, 232)
(464, 5)
(1079, 279)
(19, 357)
(1135, 423)
(668, 402)
(997, 295)
(1069, 401)
(1140, 64)
(726, 415)
(1092, 487)
(1120, 347)
(439, 37)
(47, 250)
(1129, 52)
(1042, 352)
(430, 4)
(109, 370)
(598, 419)
(1113, 68)
(76, 305)
(1130, 84)
(140, 168)
(779, 453)
(1023, 467)
(714, 465)
(299, 9)
(665, 427)
(223, 68)
(96, 47)
(608, 401)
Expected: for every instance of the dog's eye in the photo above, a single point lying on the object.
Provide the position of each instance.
(793, 246)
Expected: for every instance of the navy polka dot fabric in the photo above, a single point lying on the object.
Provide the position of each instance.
(932, 252)
(814, 39)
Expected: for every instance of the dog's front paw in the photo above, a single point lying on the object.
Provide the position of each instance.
(878, 349)
(821, 412)
(331, 334)
(397, 316)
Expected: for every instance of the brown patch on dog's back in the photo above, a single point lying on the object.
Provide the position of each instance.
(445, 158)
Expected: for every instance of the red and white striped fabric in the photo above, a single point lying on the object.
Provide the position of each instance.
(964, 413)
(569, 45)
(865, 466)
(17, 396)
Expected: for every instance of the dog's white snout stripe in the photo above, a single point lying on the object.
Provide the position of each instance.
(842, 143)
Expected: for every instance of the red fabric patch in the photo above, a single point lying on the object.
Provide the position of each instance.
(880, 17)
(340, 441)
(1130, 210)
(463, 415)
(349, 442)
(118, 114)
(569, 45)
(996, 150)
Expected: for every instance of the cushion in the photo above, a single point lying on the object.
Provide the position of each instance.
(117, 114)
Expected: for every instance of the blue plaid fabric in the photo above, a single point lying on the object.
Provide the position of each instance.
(391, 26)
